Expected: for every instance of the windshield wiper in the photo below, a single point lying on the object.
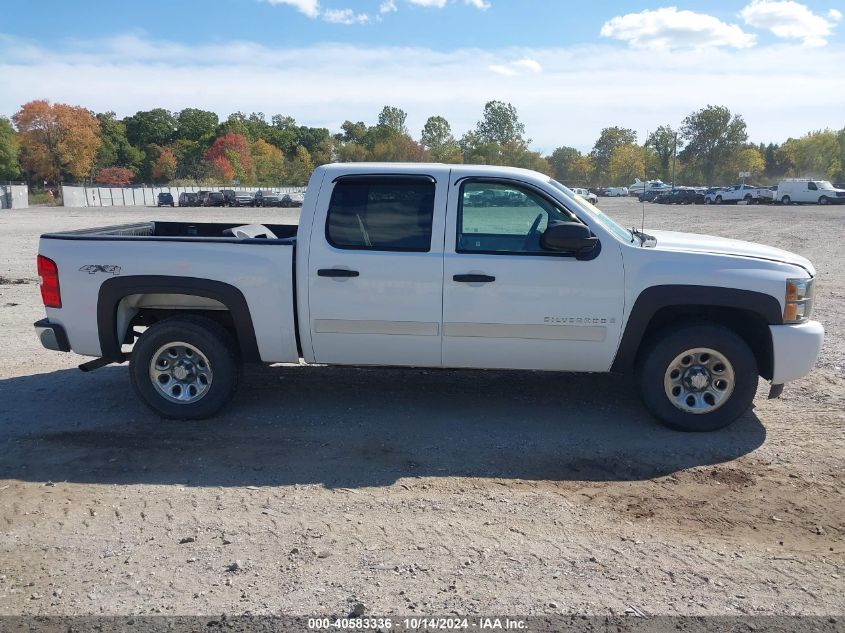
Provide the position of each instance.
(646, 240)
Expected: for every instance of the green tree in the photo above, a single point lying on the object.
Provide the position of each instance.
(500, 124)
(747, 159)
(10, 168)
(609, 139)
(561, 162)
(150, 127)
(115, 149)
(664, 142)
(627, 162)
(581, 171)
(815, 155)
(269, 163)
(301, 167)
(712, 135)
(164, 167)
(196, 125)
(393, 119)
(438, 139)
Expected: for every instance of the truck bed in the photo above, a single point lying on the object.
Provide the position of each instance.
(177, 231)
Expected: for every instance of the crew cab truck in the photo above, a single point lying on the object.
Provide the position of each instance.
(736, 193)
(413, 265)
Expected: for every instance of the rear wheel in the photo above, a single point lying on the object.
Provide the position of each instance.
(698, 377)
(185, 368)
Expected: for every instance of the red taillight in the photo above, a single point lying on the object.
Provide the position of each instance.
(49, 274)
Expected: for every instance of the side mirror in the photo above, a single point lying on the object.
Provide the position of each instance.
(569, 237)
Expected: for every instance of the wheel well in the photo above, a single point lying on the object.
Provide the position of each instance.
(749, 325)
(126, 302)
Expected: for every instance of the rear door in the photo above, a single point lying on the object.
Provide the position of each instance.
(375, 269)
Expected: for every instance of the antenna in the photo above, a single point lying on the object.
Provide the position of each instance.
(642, 197)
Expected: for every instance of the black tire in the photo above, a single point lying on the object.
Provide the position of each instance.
(667, 345)
(207, 336)
(824, 200)
(786, 200)
(718, 199)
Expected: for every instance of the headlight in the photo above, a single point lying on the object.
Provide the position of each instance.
(799, 300)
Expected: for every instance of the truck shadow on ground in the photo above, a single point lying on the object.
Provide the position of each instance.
(351, 427)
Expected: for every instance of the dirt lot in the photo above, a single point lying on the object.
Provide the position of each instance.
(417, 492)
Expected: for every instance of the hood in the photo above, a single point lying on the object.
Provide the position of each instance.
(694, 243)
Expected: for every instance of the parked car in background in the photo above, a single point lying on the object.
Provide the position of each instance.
(686, 195)
(711, 193)
(584, 193)
(268, 199)
(745, 193)
(215, 199)
(650, 195)
(809, 192)
(228, 197)
(617, 192)
(243, 199)
(640, 187)
(202, 196)
(165, 200)
(187, 199)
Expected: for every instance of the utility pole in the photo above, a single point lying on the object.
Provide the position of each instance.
(674, 157)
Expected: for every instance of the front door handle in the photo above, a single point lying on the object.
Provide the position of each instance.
(337, 272)
(474, 279)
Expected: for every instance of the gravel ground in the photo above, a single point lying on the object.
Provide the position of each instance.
(417, 492)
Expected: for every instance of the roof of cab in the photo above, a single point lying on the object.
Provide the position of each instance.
(459, 170)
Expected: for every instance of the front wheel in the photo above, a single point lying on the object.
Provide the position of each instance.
(718, 199)
(185, 368)
(698, 377)
(824, 200)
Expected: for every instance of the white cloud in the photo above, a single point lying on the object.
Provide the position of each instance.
(511, 69)
(388, 6)
(580, 90)
(669, 28)
(791, 20)
(311, 8)
(345, 16)
(439, 4)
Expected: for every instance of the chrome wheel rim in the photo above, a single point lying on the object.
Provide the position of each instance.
(180, 373)
(699, 380)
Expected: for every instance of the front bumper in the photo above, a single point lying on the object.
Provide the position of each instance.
(795, 349)
(52, 335)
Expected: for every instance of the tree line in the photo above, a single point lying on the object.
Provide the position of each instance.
(56, 142)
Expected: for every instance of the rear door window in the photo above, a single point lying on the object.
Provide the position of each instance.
(381, 213)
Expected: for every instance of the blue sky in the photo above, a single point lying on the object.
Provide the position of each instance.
(570, 67)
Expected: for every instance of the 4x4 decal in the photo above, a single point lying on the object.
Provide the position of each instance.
(100, 268)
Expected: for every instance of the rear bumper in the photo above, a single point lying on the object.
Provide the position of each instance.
(52, 335)
(795, 349)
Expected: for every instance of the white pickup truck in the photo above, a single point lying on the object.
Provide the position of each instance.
(739, 193)
(433, 266)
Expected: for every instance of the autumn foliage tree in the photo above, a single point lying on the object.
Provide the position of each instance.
(57, 140)
(230, 153)
(269, 163)
(114, 176)
(164, 167)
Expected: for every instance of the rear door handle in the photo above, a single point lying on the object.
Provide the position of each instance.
(477, 279)
(337, 272)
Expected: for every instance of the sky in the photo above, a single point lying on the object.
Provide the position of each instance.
(570, 68)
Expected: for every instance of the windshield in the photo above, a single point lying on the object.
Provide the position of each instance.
(824, 184)
(604, 220)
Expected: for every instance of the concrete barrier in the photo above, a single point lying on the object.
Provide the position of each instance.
(14, 197)
(83, 196)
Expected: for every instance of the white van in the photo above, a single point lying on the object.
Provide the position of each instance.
(616, 192)
(809, 191)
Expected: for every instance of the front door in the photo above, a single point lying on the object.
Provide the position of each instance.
(375, 271)
(507, 302)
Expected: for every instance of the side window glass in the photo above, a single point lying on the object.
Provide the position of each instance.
(382, 213)
(503, 218)
(812, 186)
